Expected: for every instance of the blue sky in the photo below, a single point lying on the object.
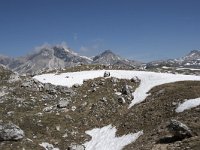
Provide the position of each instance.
(136, 29)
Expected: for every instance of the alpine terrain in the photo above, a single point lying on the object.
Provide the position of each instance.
(56, 99)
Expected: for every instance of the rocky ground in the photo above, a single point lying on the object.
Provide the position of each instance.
(33, 113)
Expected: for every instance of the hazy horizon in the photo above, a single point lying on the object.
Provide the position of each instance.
(134, 29)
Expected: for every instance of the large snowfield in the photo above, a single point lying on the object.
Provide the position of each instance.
(148, 79)
(104, 138)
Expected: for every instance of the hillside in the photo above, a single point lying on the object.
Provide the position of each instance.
(94, 103)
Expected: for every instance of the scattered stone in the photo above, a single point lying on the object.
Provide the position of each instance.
(69, 92)
(102, 83)
(93, 85)
(85, 80)
(76, 85)
(135, 79)
(65, 135)
(161, 91)
(125, 90)
(84, 104)
(14, 78)
(114, 80)
(103, 99)
(26, 84)
(118, 93)
(10, 132)
(39, 114)
(48, 109)
(160, 147)
(76, 147)
(94, 89)
(73, 108)
(68, 117)
(10, 113)
(115, 90)
(174, 103)
(63, 103)
(102, 80)
(49, 88)
(48, 146)
(58, 128)
(178, 129)
(106, 74)
(121, 100)
(33, 84)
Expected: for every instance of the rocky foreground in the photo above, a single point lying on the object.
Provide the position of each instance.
(40, 116)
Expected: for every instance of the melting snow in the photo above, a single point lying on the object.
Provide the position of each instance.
(105, 139)
(148, 79)
(188, 104)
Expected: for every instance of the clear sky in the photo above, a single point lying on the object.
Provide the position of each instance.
(136, 29)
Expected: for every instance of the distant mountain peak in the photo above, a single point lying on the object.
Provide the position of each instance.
(110, 58)
(194, 54)
(107, 51)
(107, 57)
(195, 51)
(48, 57)
(192, 60)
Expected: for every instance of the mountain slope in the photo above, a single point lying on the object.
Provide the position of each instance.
(191, 60)
(58, 57)
(48, 58)
(4, 60)
(109, 58)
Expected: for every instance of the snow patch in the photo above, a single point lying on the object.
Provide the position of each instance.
(188, 104)
(148, 79)
(105, 139)
(85, 57)
(193, 69)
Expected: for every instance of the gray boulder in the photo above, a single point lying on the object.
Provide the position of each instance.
(10, 132)
(106, 74)
(63, 103)
(76, 85)
(51, 89)
(121, 100)
(14, 78)
(135, 79)
(178, 129)
(33, 84)
(125, 90)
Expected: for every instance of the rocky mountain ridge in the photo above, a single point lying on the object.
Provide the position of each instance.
(58, 57)
(191, 60)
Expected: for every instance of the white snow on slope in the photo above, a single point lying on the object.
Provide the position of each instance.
(193, 69)
(148, 79)
(104, 139)
(188, 104)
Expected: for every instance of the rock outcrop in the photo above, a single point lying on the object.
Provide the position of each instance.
(10, 132)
